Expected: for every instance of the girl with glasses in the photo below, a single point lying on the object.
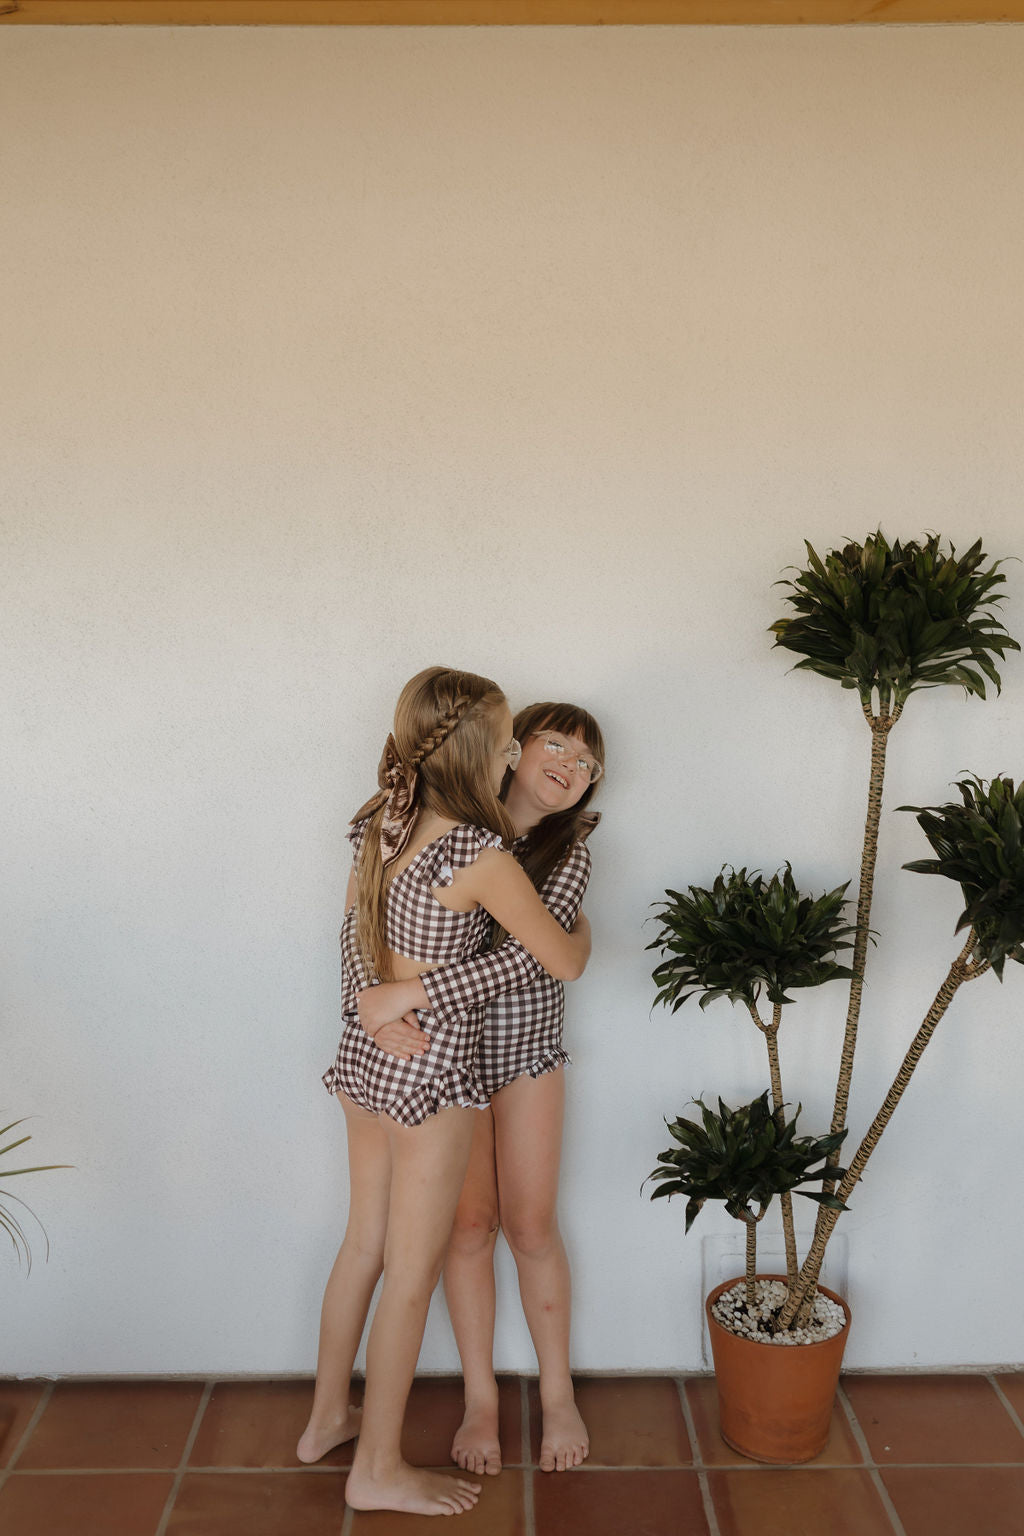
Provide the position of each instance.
(513, 1172)
(429, 872)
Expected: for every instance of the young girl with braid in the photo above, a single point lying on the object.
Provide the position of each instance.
(513, 1172)
(428, 869)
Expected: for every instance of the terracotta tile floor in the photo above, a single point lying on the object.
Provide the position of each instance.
(907, 1456)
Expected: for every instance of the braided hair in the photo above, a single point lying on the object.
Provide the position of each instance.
(444, 728)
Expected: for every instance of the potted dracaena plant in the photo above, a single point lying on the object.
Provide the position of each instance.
(884, 620)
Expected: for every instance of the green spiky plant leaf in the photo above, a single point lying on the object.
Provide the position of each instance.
(980, 845)
(9, 1220)
(897, 618)
(745, 934)
(743, 1157)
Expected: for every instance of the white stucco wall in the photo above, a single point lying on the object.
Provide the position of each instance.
(329, 354)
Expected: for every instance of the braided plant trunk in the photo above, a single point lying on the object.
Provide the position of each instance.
(881, 724)
(801, 1297)
(750, 1276)
(751, 1267)
(771, 1040)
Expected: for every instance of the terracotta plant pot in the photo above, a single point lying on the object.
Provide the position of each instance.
(775, 1400)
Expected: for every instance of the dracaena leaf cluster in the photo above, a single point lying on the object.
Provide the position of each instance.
(747, 933)
(897, 617)
(980, 845)
(743, 1157)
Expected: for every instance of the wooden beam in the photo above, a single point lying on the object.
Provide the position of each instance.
(300, 13)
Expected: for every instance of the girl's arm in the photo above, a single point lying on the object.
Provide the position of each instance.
(463, 985)
(511, 967)
(467, 984)
(498, 883)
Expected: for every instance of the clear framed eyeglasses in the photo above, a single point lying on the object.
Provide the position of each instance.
(587, 767)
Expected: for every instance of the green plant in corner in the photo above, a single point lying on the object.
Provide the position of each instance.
(9, 1222)
(743, 938)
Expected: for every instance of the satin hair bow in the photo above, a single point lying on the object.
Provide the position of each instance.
(397, 794)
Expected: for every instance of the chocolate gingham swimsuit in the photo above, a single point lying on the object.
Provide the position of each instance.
(419, 927)
(522, 1030)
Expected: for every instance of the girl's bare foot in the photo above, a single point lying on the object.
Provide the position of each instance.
(319, 1438)
(564, 1442)
(476, 1447)
(411, 1491)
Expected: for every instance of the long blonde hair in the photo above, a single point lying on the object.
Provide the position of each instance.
(444, 728)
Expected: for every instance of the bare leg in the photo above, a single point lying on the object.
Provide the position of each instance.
(528, 1116)
(469, 1289)
(428, 1165)
(350, 1286)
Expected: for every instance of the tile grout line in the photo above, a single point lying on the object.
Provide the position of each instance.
(597, 1469)
(526, 1452)
(703, 1482)
(214, 1471)
(183, 1463)
(588, 1469)
(347, 1519)
(870, 1464)
(27, 1432)
(1011, 1410)
(304, 1469)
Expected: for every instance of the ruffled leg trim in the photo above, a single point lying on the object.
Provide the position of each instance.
(549, 1062)
(454, 1089)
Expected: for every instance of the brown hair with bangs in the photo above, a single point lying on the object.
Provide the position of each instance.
(548, 844)
(445, 724)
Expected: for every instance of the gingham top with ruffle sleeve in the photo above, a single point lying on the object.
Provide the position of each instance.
(419, 927)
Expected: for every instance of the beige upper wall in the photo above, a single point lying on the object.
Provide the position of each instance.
(330, 354)
(236, 13)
